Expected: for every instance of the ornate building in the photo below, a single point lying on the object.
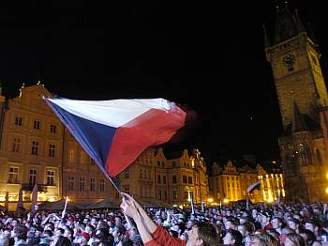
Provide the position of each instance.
(230, 183)
(295, 60)
(37, 149)
(155, 179)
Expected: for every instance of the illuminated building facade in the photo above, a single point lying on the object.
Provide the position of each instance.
(229, 184)
(37, 149)
(155, 179)
(295, 60)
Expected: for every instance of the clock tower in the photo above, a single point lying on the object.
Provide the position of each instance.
(294, 57)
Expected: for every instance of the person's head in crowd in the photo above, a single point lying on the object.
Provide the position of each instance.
(118, 221)
(63, 241)
(189, 224)
(264, 239)
(174, 231)
(294, 239)
(202, 234)
(293, 223)
(19, 233)
(265, 218)
(312, 226)
(68, 233)
(307, 235)
(254, 213)
(249, 239)
(233, 237)
(230, 223)
(250, 227)
(243, 220)
(242, 229)
(277, 223)
(159, 220)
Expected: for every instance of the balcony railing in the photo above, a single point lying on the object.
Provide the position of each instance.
(29, 187)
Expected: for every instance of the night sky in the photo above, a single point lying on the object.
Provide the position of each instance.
(208, 57)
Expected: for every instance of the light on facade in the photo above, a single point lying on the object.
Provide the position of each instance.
(327, 190)
(210, 200)
(225, 200)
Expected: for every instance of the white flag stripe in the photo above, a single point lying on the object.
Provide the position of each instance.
(114, 113)
(251, 187)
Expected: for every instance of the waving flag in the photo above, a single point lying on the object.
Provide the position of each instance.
(254, 186)
(115, 132)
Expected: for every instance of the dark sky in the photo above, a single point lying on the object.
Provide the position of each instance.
(206, 56)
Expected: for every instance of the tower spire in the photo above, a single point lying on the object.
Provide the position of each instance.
(299, 23)
(267, 42)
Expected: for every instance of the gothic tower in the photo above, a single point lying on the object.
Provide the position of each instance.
(301, 90)
(294, 58)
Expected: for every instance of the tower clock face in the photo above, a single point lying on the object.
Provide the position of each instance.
(289, 61)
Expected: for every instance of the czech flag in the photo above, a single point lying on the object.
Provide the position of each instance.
(115, 132)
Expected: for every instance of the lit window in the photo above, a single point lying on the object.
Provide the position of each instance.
(50, 177)
(35, 147)
(16, 145)
(102, 185)
(52, 128)
(93, 184)
(70, 183)
(32, 177)
(13, 175)
(18, 121)
(82, 183)
(36, 124)
(52, 148)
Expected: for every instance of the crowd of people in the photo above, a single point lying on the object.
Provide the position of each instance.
(294, 224)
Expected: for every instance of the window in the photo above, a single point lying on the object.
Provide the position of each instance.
(18, 121)
(174, 179)
(189, 180)
(158, 179)
(71, 155)
(50, 177)
(174, 164)
(82, 183)
(16, 145)
(184, 179)
(13, 175)
(36, 124)
(35, 147)
(175, 195)
(158, 163)
(185, 195)
(140, 173)
(160, 195)
(93, 184)
(165, 195)
(52, 128)
(102, 185)
(71, 183)
(52, 148)
(32, 177)
(164, 179)
(126, 174)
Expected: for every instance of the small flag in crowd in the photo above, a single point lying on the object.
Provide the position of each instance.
(115, 132)
(254, 186)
